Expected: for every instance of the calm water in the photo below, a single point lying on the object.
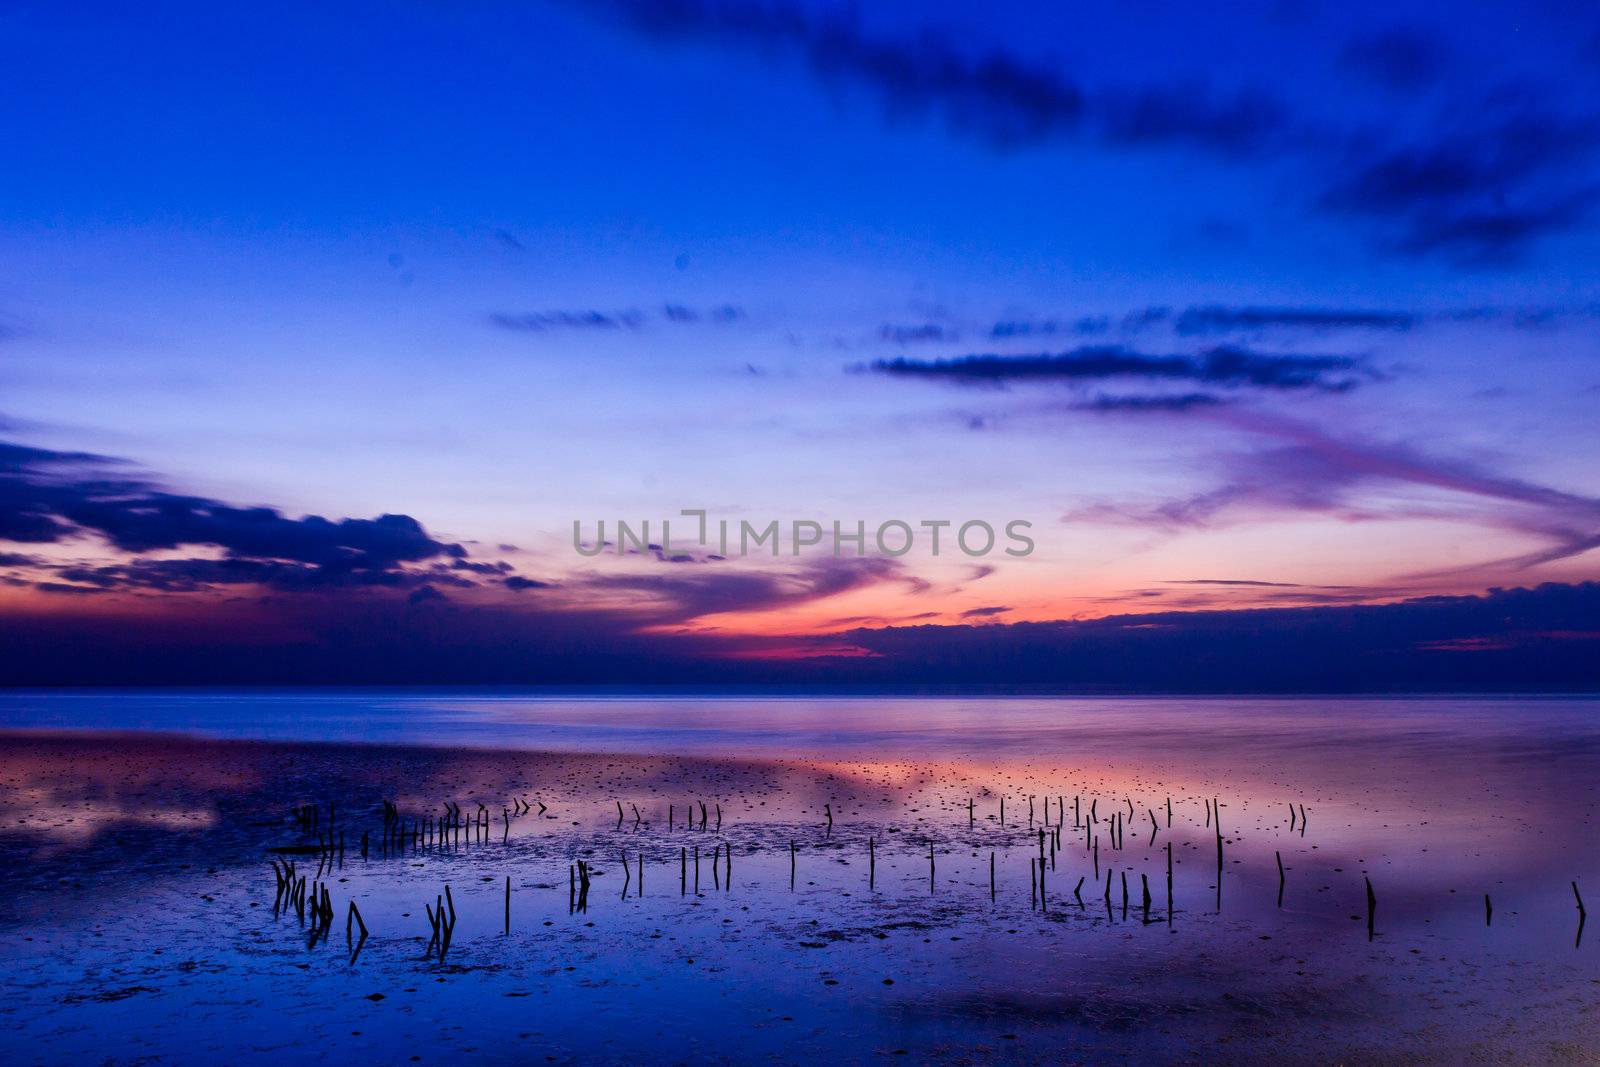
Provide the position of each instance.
(823, 725)
(142, 924)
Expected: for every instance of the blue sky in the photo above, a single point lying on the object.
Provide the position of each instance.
(502, 266)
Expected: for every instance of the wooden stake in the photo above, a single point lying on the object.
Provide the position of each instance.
(1169, 883)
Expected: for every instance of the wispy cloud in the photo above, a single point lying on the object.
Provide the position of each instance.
(1479, 181)
(996, 96)
(1176, 403)
(1227, 366)
(916, 333)
(1238, 124)
(1245, 582)
(1216, 319)
(1479, 188)
(1309, 470)
(622, 319)
(685, 595)
(1400, 59)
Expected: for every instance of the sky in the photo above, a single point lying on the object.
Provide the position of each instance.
(321, 326)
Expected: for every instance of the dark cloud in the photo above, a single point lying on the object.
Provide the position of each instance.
(1197, 320)
(1214, 319)
(985, 613)
(1398, 59)
(722, 314)
(149, 521)
(996, 96)
(1449, 169)
(1481, 191)
(517, 583)
(540, 321)
(144, 522)
(1084, 326)
(1493, 171)
(624, 319)
(999, 97)
(49, 496)
(1531, 317)
(486, 568)
(1219, 319)
(186, 575)
(678, 555)
(1493, 235)
(1226, 365)
(1177, 404)
(1239, 125)
(916, 334)
(198, 574)
(33, 494)
(63, 589)
(18, 458)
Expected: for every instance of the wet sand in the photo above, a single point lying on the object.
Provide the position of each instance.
(140, 923)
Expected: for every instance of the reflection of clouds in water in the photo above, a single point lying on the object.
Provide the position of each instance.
(178, 827)
(65, 822)
(1437, 793)
(62, 794)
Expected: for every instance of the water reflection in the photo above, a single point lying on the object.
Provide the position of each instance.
(1008, 861)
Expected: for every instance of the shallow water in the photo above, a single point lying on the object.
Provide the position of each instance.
(141, 925)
